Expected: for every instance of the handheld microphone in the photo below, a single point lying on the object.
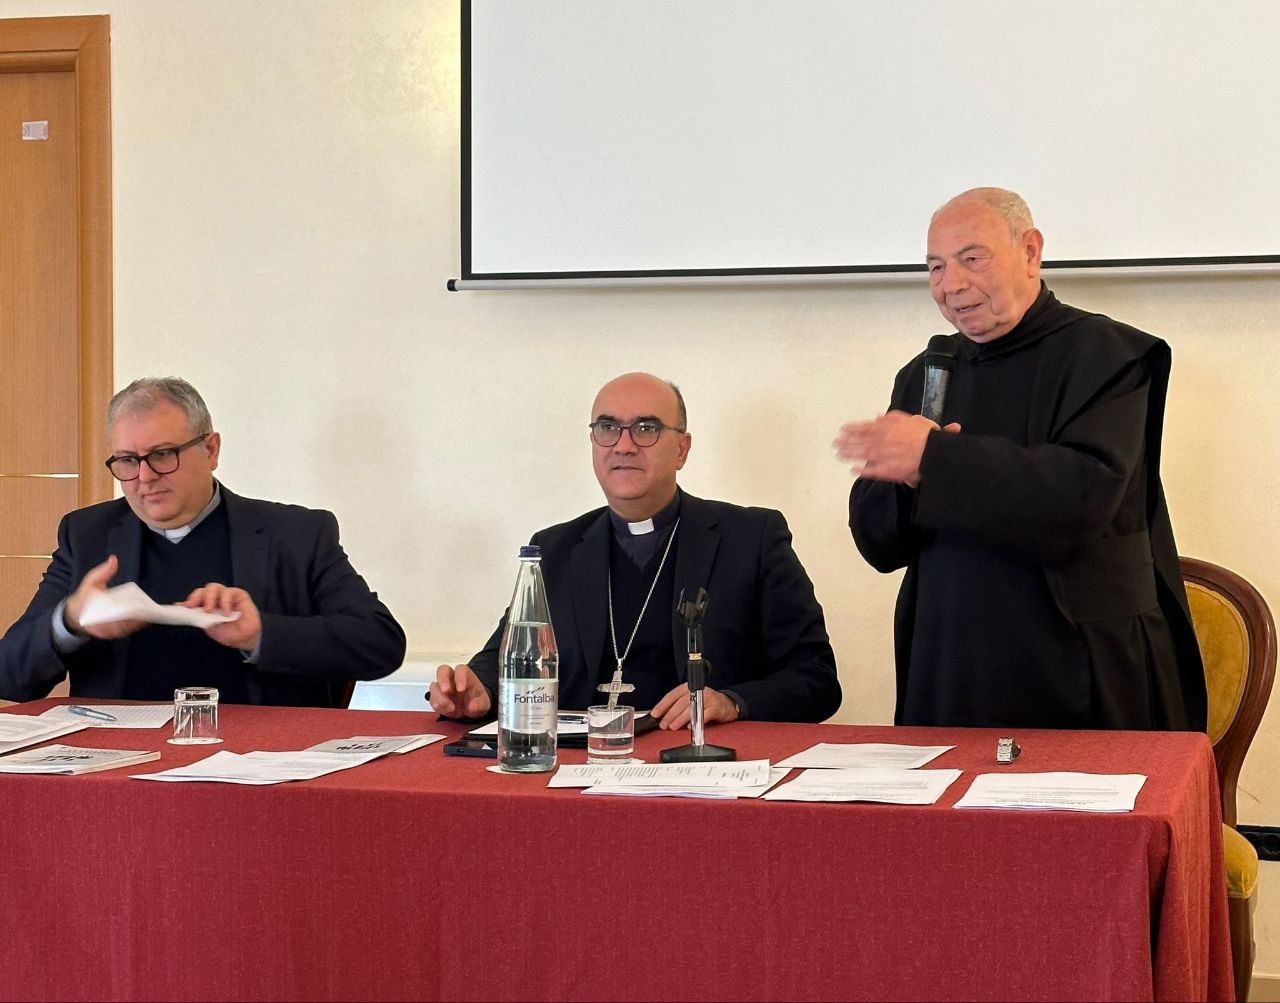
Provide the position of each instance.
(939, 360)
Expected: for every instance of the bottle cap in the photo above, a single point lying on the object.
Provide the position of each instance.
(531, 552)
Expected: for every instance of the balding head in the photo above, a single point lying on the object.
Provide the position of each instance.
(984, 262)
(1008, 205)
(638, 480)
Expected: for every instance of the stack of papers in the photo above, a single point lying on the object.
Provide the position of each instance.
(17, 731)
(1063, 791)
(689, 780)
(881, 784)
(67, 759)
(826, 755)
(155, 715)
(129, 602)
(260, 768)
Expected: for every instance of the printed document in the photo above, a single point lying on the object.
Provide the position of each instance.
(17, 731)
(262, 767)
(1063, 791)
(381, 745)
(67, 759)
(751, 773)
(150, 715)
(882, 784)
(829, 755)
(129, 602)
(776, 773)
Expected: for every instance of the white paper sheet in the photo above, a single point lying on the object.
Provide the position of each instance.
(129, 602)
(71, 760)
(1048, 791)
(17, 731)
(828, 755)
(380, 744)
(776, 773)
(881, 784)
(418, 741)
(154, 715)
(261, 767)
(751, 773)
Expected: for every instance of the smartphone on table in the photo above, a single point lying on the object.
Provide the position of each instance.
(472, 747)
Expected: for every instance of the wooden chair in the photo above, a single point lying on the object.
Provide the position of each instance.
(1237, 638)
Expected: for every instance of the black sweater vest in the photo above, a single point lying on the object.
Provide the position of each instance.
(651, 663)
(163, 658)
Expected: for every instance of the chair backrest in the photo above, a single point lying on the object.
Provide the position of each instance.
(1237, 637)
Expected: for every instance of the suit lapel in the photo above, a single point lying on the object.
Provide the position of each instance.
(695, 554)
(249, 545)
(124, 539)
(589, 559)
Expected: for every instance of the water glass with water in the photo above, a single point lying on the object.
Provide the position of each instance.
(611, 734)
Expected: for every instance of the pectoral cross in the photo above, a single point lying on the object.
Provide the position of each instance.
(615, 686)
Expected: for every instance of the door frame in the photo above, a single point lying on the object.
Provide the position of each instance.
(82, 45)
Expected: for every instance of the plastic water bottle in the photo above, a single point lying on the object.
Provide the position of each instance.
(528, 684)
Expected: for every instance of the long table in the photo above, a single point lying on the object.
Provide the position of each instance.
(427, 877)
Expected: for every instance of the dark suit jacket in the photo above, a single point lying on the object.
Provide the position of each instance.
(763, 633)
(321, 626)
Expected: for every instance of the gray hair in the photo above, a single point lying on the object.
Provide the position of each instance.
(151, 391)
(680, 408)
(1010, 205)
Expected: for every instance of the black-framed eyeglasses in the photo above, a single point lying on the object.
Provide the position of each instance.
(644, 431)
(163, 461)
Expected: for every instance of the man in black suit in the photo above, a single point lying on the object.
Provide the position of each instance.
(614, 574)
(306, 626)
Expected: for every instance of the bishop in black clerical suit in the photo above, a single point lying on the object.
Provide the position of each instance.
(1042, 586)
(614, 574)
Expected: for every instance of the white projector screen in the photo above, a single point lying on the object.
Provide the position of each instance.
(648, 138)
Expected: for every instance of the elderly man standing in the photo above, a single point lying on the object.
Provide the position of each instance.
(613, 576)
(1042, 585)
(307, 626)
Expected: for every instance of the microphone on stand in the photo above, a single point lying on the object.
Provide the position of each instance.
(939, 360)
(690, 613)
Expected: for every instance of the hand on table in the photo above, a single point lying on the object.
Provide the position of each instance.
(672, 711)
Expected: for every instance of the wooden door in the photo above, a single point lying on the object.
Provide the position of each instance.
(39, 398)
(55, 287)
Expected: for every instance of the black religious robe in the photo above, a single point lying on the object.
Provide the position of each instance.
(1042, 586)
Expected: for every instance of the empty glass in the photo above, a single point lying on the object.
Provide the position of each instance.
(195, 716)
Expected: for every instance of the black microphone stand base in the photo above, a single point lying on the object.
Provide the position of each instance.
(699, 754)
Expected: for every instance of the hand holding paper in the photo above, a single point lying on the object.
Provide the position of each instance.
(243, 624)
(93, 585)
(128, 604)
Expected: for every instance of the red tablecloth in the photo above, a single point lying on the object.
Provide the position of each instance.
(425, 877)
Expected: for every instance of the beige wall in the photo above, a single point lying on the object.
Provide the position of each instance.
(286, 216)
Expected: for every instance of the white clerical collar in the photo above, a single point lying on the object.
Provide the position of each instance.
(659, 521)
(180, 534)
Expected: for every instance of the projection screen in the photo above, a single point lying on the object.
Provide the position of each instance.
(627, 139)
